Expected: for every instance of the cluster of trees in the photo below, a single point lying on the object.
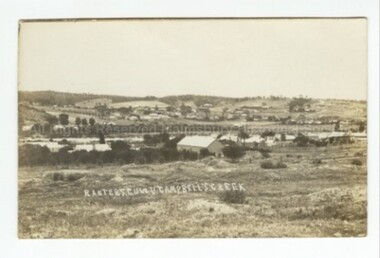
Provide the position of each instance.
(121, 153)
(84, 122)
(234, 152)
(299, 104)
(303, 141)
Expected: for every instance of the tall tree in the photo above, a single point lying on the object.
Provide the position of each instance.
(101, 138)
(78, 121)
(243, 135)
(337, 126)
(84, 122)
(52, 120)
(92, 121)
(234, 152)
(361, 127)
(64, 119)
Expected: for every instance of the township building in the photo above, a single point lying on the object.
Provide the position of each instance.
(91, 147)
(197, 143)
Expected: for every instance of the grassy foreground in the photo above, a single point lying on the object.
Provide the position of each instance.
(319, 194)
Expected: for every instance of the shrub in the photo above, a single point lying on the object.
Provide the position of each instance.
(204, 153)
(119, 146)
(357, 162)
(31, 155)
(301, 140)
(233, 152)
(188, 155)
(272, 165)
(265, 155)
(236, 197)
(317, 161)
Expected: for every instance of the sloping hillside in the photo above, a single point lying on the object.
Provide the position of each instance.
(30, 115)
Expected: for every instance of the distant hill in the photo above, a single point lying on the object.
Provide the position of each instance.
(345, 108)
(64, 98)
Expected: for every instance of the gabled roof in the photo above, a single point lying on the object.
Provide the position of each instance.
(197, 141)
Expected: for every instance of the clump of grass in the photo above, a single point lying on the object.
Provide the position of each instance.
(236, 197)
(272, 165)
(357, 162)
(74, 177)
(317, 161)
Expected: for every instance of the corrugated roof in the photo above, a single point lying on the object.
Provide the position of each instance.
(197, 141)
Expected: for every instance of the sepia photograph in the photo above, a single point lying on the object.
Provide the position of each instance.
(192, 128)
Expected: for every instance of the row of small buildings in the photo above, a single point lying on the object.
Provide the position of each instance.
(213, 144)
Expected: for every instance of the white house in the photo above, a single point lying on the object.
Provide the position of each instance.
(197, 143)
(92, 147)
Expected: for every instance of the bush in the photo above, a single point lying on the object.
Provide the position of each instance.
(188, 155)
(357, 162)
(272, 165)
(31, 155)
(302, 140)
(119, 146)
(236, 197)
(265, 155)
(317, 161)
(234, 152)
(205, 153)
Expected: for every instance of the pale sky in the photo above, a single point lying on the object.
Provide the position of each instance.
(319, 58)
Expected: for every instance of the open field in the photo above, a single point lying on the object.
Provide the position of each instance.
(306, 199)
